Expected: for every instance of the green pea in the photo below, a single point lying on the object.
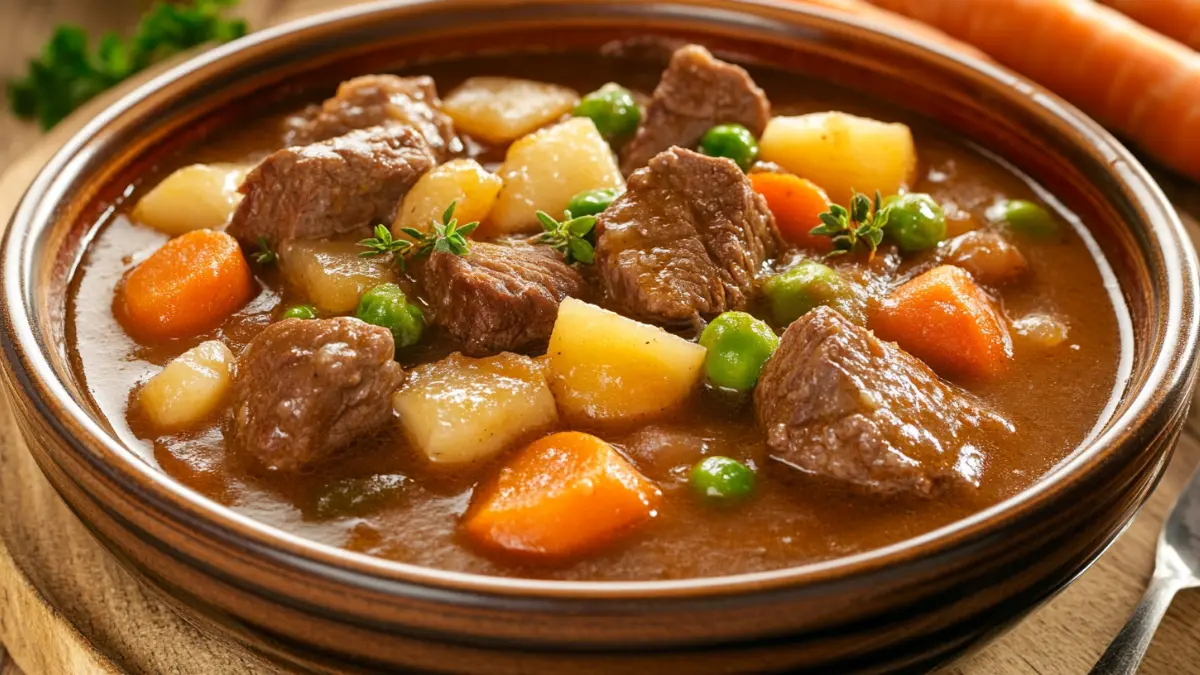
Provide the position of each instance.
(1025, 217)
(738, 345)
(592, 202)
(915, 221)
(613, 109)
(794, 293)
(721, 479)
(386, 305)
(733, 141)
(300, 312)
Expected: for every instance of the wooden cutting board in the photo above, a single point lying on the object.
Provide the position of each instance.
(67, 607)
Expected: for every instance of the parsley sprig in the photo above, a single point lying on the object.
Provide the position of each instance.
(861, 224)
(67, 73)
(572, 237)
(444, 237)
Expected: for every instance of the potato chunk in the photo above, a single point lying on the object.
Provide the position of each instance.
(330, 274)
(462, 410)
(543, 170)
(842, 153)
(190, 388)
(196, 197)
(606, 367)
(461, 181)
(502, 109)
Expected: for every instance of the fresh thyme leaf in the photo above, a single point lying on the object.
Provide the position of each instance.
(447, 236)
(444, 237)
(572, 237)
(67, 74)
(264, 256)
(861, 224)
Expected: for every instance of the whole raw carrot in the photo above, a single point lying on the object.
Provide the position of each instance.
(1179, 19)
(1127, 76)
(864, 10)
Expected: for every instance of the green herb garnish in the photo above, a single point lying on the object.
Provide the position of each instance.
(860, 224)
(571, 237)
(445, 237)
(67, 74)
(264, 256)
(383, 243)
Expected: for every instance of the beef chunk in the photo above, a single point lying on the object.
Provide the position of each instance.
(499, 298)
(685, 240)
(696, 93)
(333, 187)
(837, 402)
(305, 389)
(372, 100)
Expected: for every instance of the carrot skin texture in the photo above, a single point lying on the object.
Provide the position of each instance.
(1124, 74)
(563, 495)
(188, 286)
(797, 205)
(1178, 19)
(945, 319)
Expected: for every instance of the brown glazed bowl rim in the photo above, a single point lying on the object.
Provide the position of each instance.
(1142, 202)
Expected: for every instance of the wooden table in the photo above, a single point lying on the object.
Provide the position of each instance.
(71, 609)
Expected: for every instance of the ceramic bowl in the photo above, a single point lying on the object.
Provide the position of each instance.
(909, 606)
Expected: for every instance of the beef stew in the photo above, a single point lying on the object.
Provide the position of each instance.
(756, 423)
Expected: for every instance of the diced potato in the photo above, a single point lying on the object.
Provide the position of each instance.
(330, 275)
(545, 169)
(1041, 330)
(196, 197)
(502, 109)
(190, 388)
(462, 410)
(606, 367)
(842, 153)
(461, 181)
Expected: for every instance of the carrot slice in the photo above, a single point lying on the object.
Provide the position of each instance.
(797, 204)
(185, 288)
(1148, 91)
(943, 318)
(565, 494)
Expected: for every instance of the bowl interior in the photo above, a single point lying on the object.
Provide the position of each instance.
(1077, 163)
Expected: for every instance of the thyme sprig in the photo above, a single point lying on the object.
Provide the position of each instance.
(446, 237)
(572, 237)
(264, 256)
(862, 223)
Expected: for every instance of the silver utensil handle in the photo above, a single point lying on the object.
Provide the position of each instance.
(1125, 653)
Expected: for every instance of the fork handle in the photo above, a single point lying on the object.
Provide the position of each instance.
(1125, 653)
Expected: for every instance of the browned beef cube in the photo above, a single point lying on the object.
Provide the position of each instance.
(686, 239)
(372, 100)
(499, 298)
(838, 403)
(305, 389)
(696, 93)
(333, 187)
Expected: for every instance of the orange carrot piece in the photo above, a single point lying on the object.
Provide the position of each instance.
(943, 318)
(1179, 19)
(1127, 76)
(797, 205)
(188, 286)
(861, 9)
(565, 494)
